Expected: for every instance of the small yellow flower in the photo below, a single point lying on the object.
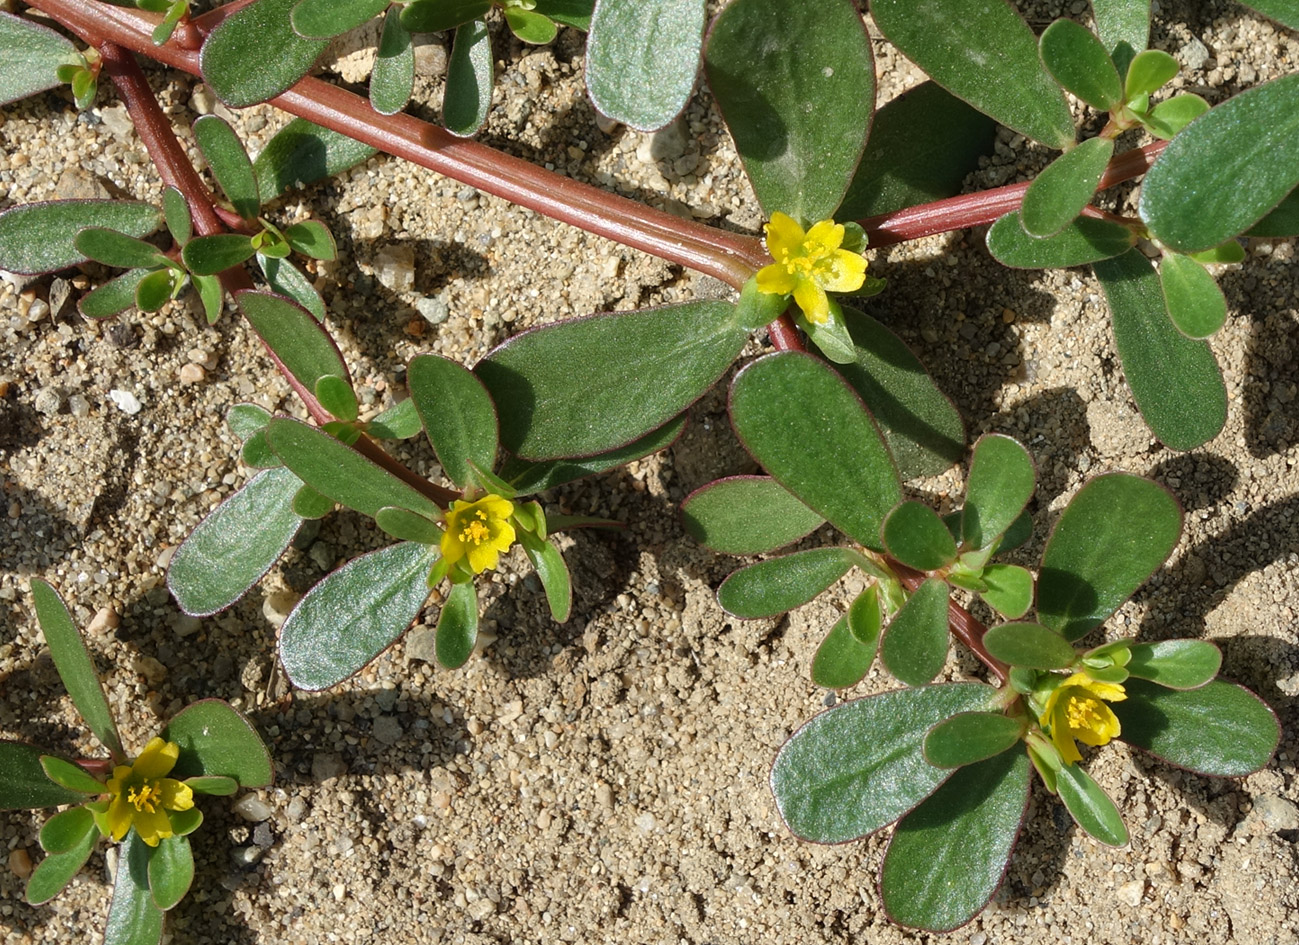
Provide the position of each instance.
(807, 265)
(142, 795)
(479, 531)
(1074, 710)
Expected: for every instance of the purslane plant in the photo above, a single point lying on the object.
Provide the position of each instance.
(833, 176)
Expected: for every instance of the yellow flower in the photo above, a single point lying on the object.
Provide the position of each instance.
(1074, 710)
(479, 531)
(142, 795)
(807, 265)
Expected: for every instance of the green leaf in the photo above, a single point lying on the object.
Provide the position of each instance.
(1169, 117)
(30, 55)
(553, 572)
(1029, 644)
(756, 309)
(398, 422)
(67, 830)
(312, 238)
(915, 535)
(1283, 221)
(1174, 379)
(185, 822)
(971, 737)
(1229, 252)
(1113, 535)
(71, 776)
(234, 59)
(983, 52)
(216, 785)
(175, 211)
(591, 385)
(1124, 28)
(23, 782)
(1285, 12)
(772, 587)
(574, 13)
(336, 395)
(302, 153)
(923, 429)
(405, 525)
(746, 515)
(527, 477)
(171, 871)
(209, 255)
(948, 856)
(133, 919)
(914, 647)
(393, 78)
(354, 614)
(532, 27)
(310, 504)
(469, 80)
(74, 664)
(341, 473)
(229, 164)
(1092, 809)
(1065, 186)
(642, 59)
(37, 238)
(156, 289)
(433, 16)
(922, 145)
(999, 485)
(294, 335)
(1219, 729)
(844, 657)
(458, 414)
(212, 296)
(230, 550)
(286, 279)
(1085, 240)
(113, 297)
(215, 739)
(1150, 70)
(1175, 664)
(1080, 63)
(324, 19)
(860, 766)
(1191, 199)
(117, 249)
(1195, 303)
(54, 872)
(796, 85)
(1008, 590)
(457, 628)
(810, 432)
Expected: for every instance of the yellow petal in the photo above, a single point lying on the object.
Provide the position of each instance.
(775, 280)
(152, 827)
(844, 272)
(1101, 733)
(811, 299)
(157, 759)
(119, 816)
(495, 506)
(1062, 739)
(452, 548)
(784, 236)
(175, 795)
(824, 238)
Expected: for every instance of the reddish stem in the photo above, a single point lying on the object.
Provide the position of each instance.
(960, 621)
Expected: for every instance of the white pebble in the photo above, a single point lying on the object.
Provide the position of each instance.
(127, 402)
(252, 808)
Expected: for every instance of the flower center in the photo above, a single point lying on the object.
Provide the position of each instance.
(1082, 714)
(144, 798)
(476, 531)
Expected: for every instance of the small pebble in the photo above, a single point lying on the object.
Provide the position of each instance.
(105, 620)
(151, 670)
(192, 374)
(78, 406)
(263, 838)
(1130, 893)
(20, 863)
(326, 765)
(203, 100)
(481, 909)
(48, 401)
(183, 625)
(245, 857)
(434, 309)
(296, 810)
(510, 712)
(127, 402)
(252, 808)
(387, 729)
(421, 644)
(1275, 812)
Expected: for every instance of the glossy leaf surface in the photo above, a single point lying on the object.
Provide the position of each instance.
(1283, 221)
(1124, 28)
(1285, 12)
(433, 16)
(591, 385)
(322, 19)
(287, 279)
(458, 415)
(1085, 240)
(1192, 200)
(527, 477)
(845, 656)
(1113, 535)
(1081, 64)
(914, 647)
(860, 766)
(642, 59)
(23, 783)
(1008, 590)
(971, 737)
(56, 870)
(117, 249)
(234, 59)
(354, 614)
(171, 871)
(133, 918)
(216, 740)
(772, 587)
(229, 163)
(294, 335)
(30, 55)
(1029, 644)
(746, 515)
(66, 830)
(1065, 186)
(113, 297)
(983, 52)
(795, 83)
(1092, 809)
(69, 775)
(37, 238)
(948, 856)
(302, 153)
(553, 573)
(916, 536)
(999, 485)
(230, 550)
(1174, 379)
(457, 628)
(469, 79)
(574, 13)
(209, 255)
(1195, 303)
(1176, 664)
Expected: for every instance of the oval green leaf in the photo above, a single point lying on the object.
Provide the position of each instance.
(209, 255)
(1174, 379)
(553, 572)
(234, 59)
(796, 85)
(457, 413)
(746, 515)
(216, 740)
(1008, 589)
(117, 249)
(23, 782)
(71, 776)
(914, 647)
(1175, 664)
(1195, 303)
(591, 385)
(171, 871)
(393, 78)
(37, 238)
(216, 785)
(1149, 71)
(915, 535)
(469, 82)
(971, 737)
(998, 487)
(133, 919)
(1029, 644)
(30, 56)
(230, 550)
(983, 52)
(860, 766)
(113, 297)
(229, 164)
(845, 656)
(405, 525)
(54, 872)
(1124, 28)
(1085, 240)
(527, 477)
(294, 335)
(810, 432)
(324, 19)
(1092, 809)
(1283, 221)
(532, 27)
(302, 153)
(66, 830)
(1192, 199)
(1113, 535)
(642, 59)
(1169, 117)
(457, 628)
(1080, 63)
(433, 16)
(948, 856)
(1065, 186)
(354, 614)
(574, 13)
(772, 587)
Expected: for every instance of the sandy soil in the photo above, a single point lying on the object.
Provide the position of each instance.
(605, 780)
